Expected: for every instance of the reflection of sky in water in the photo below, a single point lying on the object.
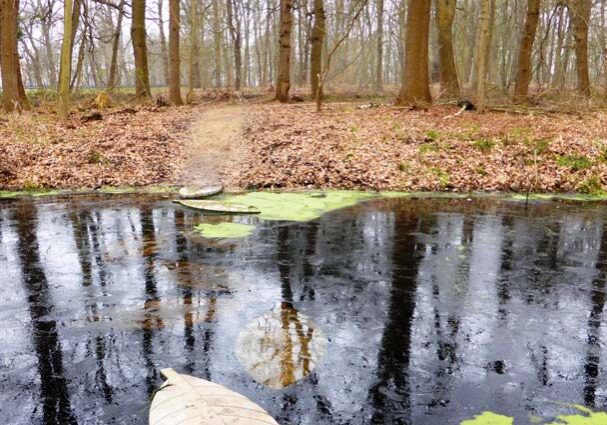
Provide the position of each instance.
(423, 311)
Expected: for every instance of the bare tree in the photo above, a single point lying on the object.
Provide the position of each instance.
(283, 84)
(13, 93)
(318, 38)
(140, 50)
(581, 16)
(481, 55)
(416, 80)
(523, 69)
(445, 14)
(174, 59)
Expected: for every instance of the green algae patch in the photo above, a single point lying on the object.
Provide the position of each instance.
(225, 230)
(522, 197)
(489, 418)
(588, 418)
(298, 206)
(31, 193)
(9, 195)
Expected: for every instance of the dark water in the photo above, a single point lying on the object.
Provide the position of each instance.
(399, 311)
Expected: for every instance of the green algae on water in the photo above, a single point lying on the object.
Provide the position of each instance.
(489, 418)
(290, 206)
(225, 230)
(30, 193)
(589, 418)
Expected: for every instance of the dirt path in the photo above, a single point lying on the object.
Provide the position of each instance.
(215, 150)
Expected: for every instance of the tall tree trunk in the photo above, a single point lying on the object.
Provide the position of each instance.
(581, 17)
(174, 60)
(76, 7)
(140, 50)
(283, 83)
(111, 82)
(65, 69)
(234, 28)
(194, 71)
(445, 13)
(203, 70)
(523, 68)
(163, 44)
(34, 60)
(481, 54)
(562, 33)
(217, 42)
(13, 93)
(50, 59)
(76, 76)
(318, 36)
(379, 71)
(416, 79)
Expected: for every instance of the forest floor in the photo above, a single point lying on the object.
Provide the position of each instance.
(384, 147)
(129, 146)
(349, 145)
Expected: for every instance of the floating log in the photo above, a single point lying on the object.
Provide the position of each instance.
(197, 192)
(219, 207)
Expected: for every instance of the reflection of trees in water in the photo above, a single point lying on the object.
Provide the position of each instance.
(54, 393)
(280, 347)
(449, 261)
(595, 321)
(151, 320)
(86, 239)
(283, 346)
(300, 337)
(541, 265)
(290, 316)
(390, 396)
(185, 282)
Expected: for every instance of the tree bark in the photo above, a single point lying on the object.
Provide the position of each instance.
(581, 17)
(194, 66)
(140, 50)
(283, 83)
(379, 80)
(445, 13)
(523, 68)
(65, 69)
(174, 60)
(75, 11)
(46, 35)
(318, 36)
(111, 82)
(481, 54)
(416, 79)
(163, 44)
(13, 93)
(234, 27)
(217, 42)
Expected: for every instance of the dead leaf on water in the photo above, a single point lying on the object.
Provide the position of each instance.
(186, 399)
